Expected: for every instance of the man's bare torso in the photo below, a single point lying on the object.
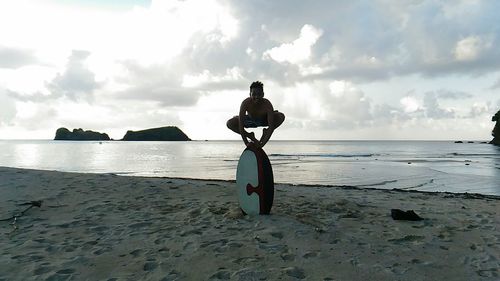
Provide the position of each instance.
(258, 110)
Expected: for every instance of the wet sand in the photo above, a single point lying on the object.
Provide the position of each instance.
(108, 227)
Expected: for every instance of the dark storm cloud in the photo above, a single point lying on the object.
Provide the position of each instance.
(15, 57)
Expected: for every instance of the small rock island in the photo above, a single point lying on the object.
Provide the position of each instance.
(169, 133)
(80, 135)
(496, 129)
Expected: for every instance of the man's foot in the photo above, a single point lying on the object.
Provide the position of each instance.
(251, 136)
(254, 144)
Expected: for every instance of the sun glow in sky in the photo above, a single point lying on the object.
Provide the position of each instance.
(419, 69)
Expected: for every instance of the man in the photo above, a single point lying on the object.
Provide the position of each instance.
(260, 114)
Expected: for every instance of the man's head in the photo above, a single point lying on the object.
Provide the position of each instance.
(257, 91)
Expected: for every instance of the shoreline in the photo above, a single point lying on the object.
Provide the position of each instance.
(464, 195)
(103, 226)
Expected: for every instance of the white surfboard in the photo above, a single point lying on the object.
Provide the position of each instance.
(254, 181)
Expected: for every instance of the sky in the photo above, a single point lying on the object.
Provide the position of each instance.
(338, 70)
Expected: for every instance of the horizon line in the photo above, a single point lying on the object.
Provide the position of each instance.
(277, 140)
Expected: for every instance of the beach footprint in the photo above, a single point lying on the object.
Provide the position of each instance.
(311, 254)
(220, 275)
(407, 238)
(295, 272)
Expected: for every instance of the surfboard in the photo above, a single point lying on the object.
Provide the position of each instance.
(255, 182)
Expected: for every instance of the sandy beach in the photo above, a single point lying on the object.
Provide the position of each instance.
(109, 227)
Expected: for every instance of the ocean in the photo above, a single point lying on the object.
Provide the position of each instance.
(409, 165)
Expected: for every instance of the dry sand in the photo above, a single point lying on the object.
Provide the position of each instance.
(108, 227)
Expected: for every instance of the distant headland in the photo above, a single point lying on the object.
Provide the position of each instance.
(496, 129)
(169, 133)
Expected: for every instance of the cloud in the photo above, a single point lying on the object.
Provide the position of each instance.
(342, 105)
(433, 110)
(16, 57)
(8, 109)
(410, 104)
(36, 97)
(297, 51)
(429, 107)
(166, 96)
(383, 40)
(480, 109)
(384, 114)
(346, 103)
(339, 104)
(178, 60)
(336, 40)
(453, 95)
(470, 48)
(34, 116)
(206, 81)
(496, 85)
(156, 83)
(77, 81)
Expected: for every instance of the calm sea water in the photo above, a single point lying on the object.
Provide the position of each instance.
(417, 165)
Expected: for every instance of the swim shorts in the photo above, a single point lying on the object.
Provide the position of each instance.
(250, 122)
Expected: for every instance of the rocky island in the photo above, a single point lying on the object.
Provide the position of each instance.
(79, 135)
(496, 129)
(169, 133)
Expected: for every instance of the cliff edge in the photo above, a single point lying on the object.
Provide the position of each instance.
(496, 129)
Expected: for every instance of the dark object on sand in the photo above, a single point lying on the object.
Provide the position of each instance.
(409, 215)
(31, 205)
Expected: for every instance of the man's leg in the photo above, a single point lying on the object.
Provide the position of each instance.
(234, 125)
(279, 118)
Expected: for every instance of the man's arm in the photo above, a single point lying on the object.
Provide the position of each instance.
(241, 117)
(266, 134)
